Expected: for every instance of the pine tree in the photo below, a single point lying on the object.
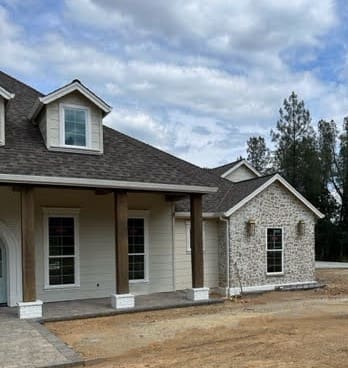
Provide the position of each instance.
(296, 154)
(258, 154)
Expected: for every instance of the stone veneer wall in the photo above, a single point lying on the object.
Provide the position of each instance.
(274, 207)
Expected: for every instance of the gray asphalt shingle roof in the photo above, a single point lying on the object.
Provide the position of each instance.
(227, 196)
(219, 170)
(124, 158)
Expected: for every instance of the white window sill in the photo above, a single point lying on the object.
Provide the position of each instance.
(75, 149)
(270, 274)
(138, 281)
(61, 287)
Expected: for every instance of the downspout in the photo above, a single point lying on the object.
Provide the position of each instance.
(173, 247)
(228, 242)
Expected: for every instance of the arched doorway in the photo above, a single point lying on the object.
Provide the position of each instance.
(11, 269)
(3, 274)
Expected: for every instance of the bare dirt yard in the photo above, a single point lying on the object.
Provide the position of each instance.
(276, 329)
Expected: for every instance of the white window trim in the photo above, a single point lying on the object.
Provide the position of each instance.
(62, 108)
(132, 214)
(188, 235)
(61, 212)
(283, 248)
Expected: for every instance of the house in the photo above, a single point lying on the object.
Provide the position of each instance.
(88, 212)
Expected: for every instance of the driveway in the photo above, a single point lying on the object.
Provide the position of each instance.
(29, 344)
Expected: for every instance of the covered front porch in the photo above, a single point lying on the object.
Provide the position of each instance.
(103, 251)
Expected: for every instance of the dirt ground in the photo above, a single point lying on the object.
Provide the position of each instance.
(275, 329)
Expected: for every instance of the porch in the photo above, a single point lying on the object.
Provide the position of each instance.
(101, 307)
(95, 263)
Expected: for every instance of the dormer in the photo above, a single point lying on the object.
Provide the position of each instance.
(71, 119)
(5, 96)
(240, 171)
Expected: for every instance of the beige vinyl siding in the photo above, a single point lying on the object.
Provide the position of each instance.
(53, 120)
(96, 232)
(160, 257)
(2, 121)
(240, 174)
(183, 257)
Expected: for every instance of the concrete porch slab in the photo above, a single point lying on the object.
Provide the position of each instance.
(89, 308)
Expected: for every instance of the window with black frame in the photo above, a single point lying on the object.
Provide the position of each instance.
(136, 249)
(274, 250)
(61, 251)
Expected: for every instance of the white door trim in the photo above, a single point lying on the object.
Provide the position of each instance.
(3, 273)
(14, 261)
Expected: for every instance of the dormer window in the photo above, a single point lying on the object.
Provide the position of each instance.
(74, 126)
(71, 119)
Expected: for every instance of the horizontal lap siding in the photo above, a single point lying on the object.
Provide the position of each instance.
(53, 119)
(96, 243)
(97, 257)
(160, 243)
(242, 173)
(183, 257)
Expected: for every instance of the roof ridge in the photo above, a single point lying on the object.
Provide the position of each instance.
(24, 84)
(229, 163)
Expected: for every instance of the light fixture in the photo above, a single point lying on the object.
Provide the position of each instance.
(301, 227)
(251, 227)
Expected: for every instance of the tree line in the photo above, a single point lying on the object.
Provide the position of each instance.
(315, 162)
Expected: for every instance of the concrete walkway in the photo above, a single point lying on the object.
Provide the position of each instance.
(29, 344)
(331, 264)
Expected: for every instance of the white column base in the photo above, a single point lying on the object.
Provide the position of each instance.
(27, 310)
(122, 301)
(196, 294)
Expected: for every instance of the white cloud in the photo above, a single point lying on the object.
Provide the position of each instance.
(192, 77)
(15, 54)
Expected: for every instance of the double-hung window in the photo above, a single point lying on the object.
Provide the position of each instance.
(275, 251)
(137, 248)
(61, 230)
(74, 126)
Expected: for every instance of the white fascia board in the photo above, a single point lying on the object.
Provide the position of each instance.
(6, 94)
(234, 168)
(291, 189)
(101, 183)
(204, 214)
(75, 86)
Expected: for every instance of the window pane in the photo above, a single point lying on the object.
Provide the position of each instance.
(61, 236)
(136, 240)
(136, 267)
(274, 261)
(61, 271)
(75, 121)
(274, 238)
(0, 262)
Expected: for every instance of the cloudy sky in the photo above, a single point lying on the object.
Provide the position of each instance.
(193, 77)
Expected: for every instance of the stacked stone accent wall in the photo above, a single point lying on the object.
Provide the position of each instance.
(274, 207)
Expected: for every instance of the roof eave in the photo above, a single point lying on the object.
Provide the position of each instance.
(238, 165)
(76, 86)
(6, 94)
(274, 178)
(104, 183)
